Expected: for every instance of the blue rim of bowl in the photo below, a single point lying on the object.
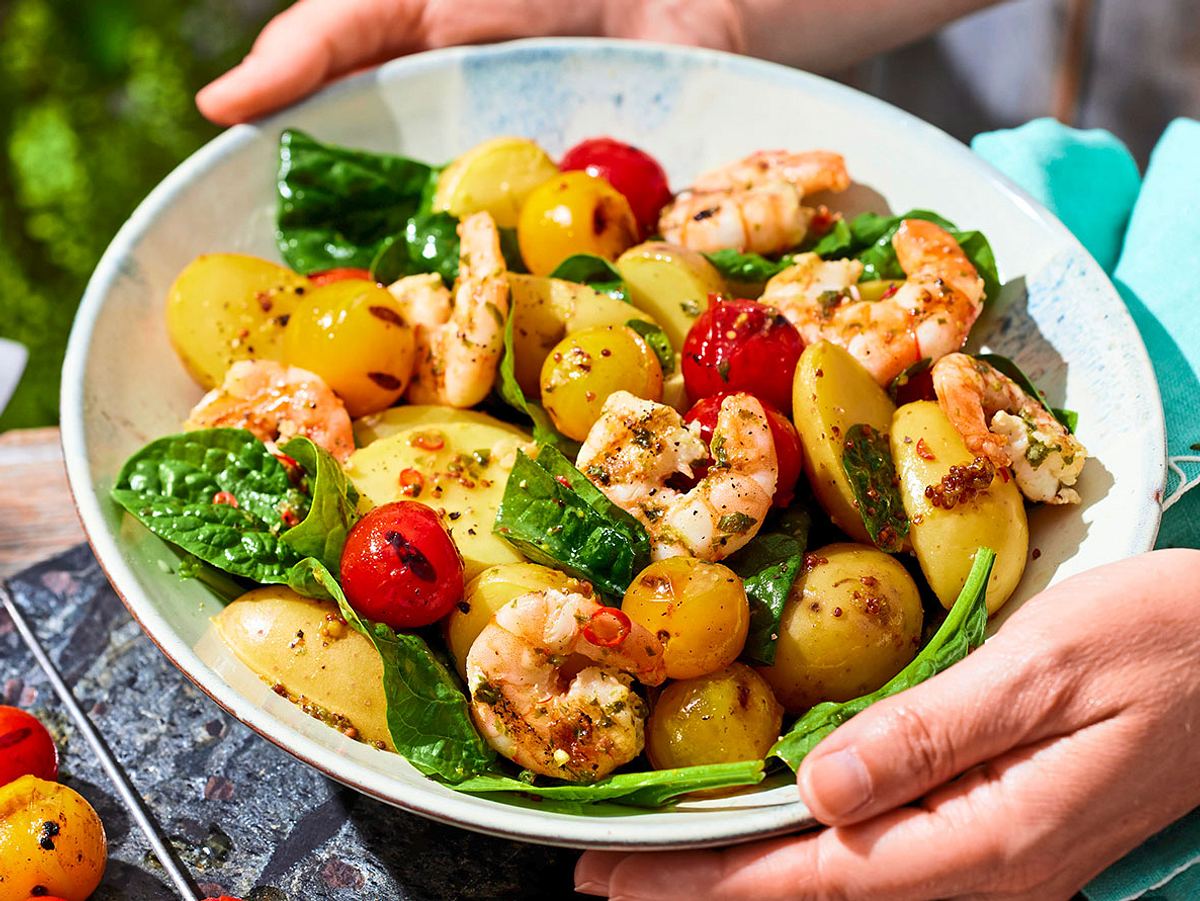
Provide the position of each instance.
(472, 812)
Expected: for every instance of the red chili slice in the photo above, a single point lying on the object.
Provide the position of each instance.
(608, 628)
(224, 497)
(411, 483)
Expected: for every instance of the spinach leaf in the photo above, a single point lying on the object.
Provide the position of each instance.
(337, 206)
(736, 266)
(961, 632)
(427, 715)
(333, 510)
(768, 567)
(652, 333)
(553, 515)
(1068, 418)
(867, 460)
(170, 485)
(837, 242)
(544, 431)
(593, 271)
(429, 243)
(653, 789)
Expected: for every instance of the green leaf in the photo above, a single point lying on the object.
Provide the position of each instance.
(169, 486)
(427, 715)
(1068, 418)
(960, 633)
(837, 242)
(653, 789)
(768, 567)
(553, 515)
(867, 460)
(735, 266)
(337, 206)
(652, 333)
(334, 508)
(544, 431)
(593, 271)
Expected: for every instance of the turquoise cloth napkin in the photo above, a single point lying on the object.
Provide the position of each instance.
(1144, 233)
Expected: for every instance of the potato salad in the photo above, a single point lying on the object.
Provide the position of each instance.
(553, 480)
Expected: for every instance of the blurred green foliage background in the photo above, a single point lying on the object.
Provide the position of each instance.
(95, 108)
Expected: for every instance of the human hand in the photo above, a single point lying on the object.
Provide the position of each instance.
(317, 41)
(1020, 772)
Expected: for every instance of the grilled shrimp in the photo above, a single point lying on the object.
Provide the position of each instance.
(550, 680)
(753, 204)
(459, 341)
(636, 446)
(276, 402)
(1045, 457)
(926, 317)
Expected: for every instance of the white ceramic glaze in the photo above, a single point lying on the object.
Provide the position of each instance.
(122, 384)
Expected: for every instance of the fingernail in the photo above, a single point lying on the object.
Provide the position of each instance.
(837, 784)
(591, 887)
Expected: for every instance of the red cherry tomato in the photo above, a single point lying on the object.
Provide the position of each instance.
(787, 441)
(633, 172)
(328, 276)
(741, 345)
(400, 566)
(26, 748)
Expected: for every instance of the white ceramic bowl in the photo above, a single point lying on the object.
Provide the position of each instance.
(123, 386)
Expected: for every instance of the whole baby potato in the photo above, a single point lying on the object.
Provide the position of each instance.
(832, 392)
(353, 334)
(723, 717)
(494, 177)
(51, 842)
(925, 445)
(698, 611)
(305, 650)
(225, 307)
(852, 621)
(587, 366)
(491, 590)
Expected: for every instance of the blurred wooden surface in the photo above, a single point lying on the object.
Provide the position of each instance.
(37, 516)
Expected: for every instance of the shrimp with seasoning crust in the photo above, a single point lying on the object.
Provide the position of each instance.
(1046, 458)
(636, 446)
(754, 204)
(459, 342)
(274, 403)
(550, 681)
(926, 317)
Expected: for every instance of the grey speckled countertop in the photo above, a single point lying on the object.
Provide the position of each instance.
(247, 819)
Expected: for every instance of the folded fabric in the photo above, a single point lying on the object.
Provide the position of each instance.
(1089, 180)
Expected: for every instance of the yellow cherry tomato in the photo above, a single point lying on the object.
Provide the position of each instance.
(587, 366)
(51, 841)
(574, 213)
(698, 611)
(353, 334)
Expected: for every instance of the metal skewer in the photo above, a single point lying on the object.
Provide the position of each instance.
(129, 796)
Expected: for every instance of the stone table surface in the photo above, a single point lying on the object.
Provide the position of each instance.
(247, 819)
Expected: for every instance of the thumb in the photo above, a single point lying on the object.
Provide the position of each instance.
(900, 748)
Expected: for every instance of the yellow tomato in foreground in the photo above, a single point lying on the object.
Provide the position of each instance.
(51, 840)
(574, 213)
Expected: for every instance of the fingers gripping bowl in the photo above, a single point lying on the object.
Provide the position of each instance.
(1059, 317)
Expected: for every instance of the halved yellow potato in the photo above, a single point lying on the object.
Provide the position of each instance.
(458, 467)
(493, 177)
(398, 419)
(306, 651)
(670, 283)
(832, 392)
(925, 445)
(225, 307)
(545, 310)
